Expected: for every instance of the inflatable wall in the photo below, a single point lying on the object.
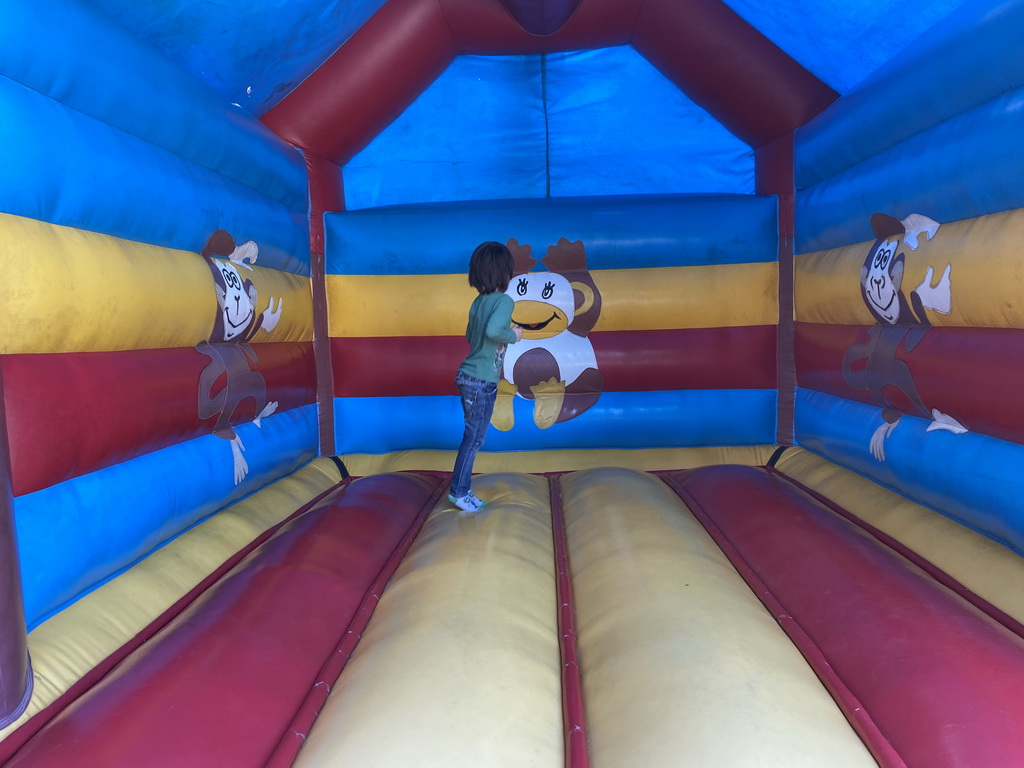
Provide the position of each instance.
(921, 396)
(752, 472)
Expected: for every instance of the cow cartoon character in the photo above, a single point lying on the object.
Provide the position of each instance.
(229, 350)
(554, 364)
(874, 367)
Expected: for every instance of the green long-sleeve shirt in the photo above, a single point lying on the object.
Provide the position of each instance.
(488, 332)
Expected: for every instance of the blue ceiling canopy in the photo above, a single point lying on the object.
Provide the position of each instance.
(254, 54)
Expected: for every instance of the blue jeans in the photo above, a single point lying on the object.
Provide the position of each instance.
(477, 406)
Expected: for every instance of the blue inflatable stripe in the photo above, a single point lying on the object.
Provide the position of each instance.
(68, 51)
(61, 166)
(971, 478)
(377, 425)
(74, 536)
(619, 232)
(968, 166)
(970, 57)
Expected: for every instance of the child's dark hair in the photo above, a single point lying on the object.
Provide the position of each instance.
(491, 267)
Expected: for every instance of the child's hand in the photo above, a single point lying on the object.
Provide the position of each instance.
(518, 331)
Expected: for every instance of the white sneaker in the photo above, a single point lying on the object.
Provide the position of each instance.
(467, 503)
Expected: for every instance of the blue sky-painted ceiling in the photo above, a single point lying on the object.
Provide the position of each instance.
(253, 54)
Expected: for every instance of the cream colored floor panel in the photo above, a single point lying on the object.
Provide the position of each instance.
(459, 666)
(681, 663)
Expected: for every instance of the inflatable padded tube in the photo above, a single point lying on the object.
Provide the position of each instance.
(69, 290)
(986, 279)
(181, 696)
(940, 679)
(718, 296)
(985, 567)
(681, 663)
(73, 642)
(459, 666)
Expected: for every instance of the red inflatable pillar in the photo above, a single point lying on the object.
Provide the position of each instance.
(15, 668)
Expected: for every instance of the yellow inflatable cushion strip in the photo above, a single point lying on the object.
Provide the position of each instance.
(718, 296)
(986, 275)
(69, 290)
(561, 461)
(681, 663)
(459, 666)
(67, 646)
(987, 568)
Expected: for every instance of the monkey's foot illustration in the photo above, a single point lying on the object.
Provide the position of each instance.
(503, 418)
(267, 410)
(877, 444)
(547, 404)
(946, 422)
(241, 467)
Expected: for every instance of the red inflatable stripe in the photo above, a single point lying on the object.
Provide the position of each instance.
(972, 374)
(630, 361)
(927, 678)
(71, 414)
(219, 685)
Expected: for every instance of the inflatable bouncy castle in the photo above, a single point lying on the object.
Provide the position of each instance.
(754, 473)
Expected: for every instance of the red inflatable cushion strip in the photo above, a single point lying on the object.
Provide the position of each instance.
(939, 680)
(222, 682)
(973, 374)
(629, 361)
(119, 405)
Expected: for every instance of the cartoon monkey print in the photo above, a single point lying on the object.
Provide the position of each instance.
(229, 350)
(554, 364)
(874, 367)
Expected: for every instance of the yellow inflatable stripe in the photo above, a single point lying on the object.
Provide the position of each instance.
(65, 647)
(681, 663)
(69, 290)
(986, 275)
(633, 299)
(562, 460)
(984, 566)
(459, 666)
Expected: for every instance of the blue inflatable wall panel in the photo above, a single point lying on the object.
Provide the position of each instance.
(971, 478)
(969, 165)
(62, 166)
(66, 50)
(618, 420)
(75, 535)
(619, 232)
(599, 122)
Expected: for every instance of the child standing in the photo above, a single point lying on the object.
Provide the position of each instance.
(488, 332)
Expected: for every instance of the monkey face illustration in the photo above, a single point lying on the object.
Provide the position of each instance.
(547, 303)
(235, 298)
(881, 279)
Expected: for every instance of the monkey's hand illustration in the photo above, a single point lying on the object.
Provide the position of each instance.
(241, 467)
(938, 297)
(946, 422)
(267, 410)
(877, 444)
(246, 252)
(918, 224)
(271, 315)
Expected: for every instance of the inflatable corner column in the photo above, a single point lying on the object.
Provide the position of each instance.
(15, 668)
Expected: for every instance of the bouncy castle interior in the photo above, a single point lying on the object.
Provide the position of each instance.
(761, 506)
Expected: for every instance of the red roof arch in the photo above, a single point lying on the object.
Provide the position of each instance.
(723, 64)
